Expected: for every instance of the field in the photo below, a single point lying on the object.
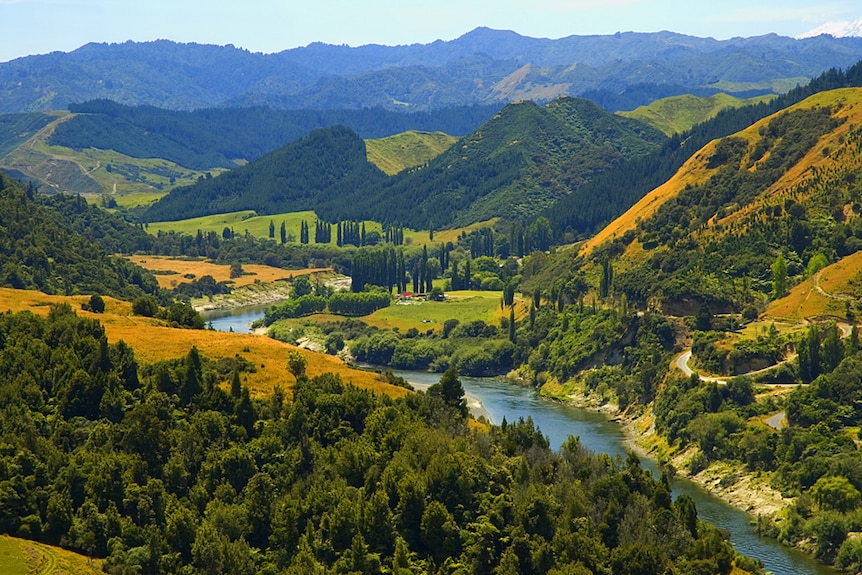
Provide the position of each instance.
(219, 272)
(824, 294)
(258, 226)
(465, 306)
(24, 557)
(406, 150)
(152, 341)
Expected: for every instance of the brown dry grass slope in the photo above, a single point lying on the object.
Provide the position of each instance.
(830, 152)
(823, 295)
(153, 341)
(219, 272)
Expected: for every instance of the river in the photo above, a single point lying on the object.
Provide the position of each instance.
(499, 399)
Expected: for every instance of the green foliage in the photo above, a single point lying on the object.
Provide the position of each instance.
(39, 252)
(358, 304)
(612, 193)
(336, 479)
(555, 150)
(297, 307)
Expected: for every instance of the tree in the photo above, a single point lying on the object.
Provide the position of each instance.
(450, 389)
(607, 277)
(235, 384)
(272, 229)
(146, 306)
(512, 336)
(296, 363)
(779, 277)
(236, 270)
(703, 320)
(831, 351)
(96, 304)
(283, 233)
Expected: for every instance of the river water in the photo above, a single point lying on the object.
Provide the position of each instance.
(499, 399)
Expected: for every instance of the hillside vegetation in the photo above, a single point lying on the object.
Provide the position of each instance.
(784, 186)
(519, 162)
(676, 114)
(40, 252)
(406, 150)
(610, 194)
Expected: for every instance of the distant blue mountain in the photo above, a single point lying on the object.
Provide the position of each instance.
(481, 67)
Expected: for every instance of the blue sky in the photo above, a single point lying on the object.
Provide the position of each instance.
(42, 26)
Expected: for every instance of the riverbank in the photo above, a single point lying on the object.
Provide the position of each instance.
(731, 481)
(264, 293)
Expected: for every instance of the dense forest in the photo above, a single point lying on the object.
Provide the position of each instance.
(161, 470)
(38, 252)
(525, 158)
(206, 139)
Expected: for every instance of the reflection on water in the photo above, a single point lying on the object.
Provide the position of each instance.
(237, 320)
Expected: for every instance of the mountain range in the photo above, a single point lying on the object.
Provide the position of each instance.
(482, 66)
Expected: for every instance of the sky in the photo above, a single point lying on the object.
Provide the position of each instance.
(43, 26)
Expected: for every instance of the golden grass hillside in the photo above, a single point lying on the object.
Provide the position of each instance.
(826, 293)
(153, 341)
(219, 272)
(828, 155)
(24, 557)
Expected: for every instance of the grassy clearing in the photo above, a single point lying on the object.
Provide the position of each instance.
(153, 341)
(679, 113)
(220, 272)
(406, 150)
(24, 557)
(248, 221)
(465, 306)
(805, 300)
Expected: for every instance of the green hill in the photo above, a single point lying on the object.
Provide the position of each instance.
(38, 252)
(677, 114)
(519, 162)
(406, 150)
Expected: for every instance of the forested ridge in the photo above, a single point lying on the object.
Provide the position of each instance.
(161, 470)
(524, 158)
(38, 252)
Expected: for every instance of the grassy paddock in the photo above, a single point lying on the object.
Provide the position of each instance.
(406, 150)
(465, 306)
(219, 272)
(806, 301)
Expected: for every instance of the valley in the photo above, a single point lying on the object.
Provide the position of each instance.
(518, 256)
